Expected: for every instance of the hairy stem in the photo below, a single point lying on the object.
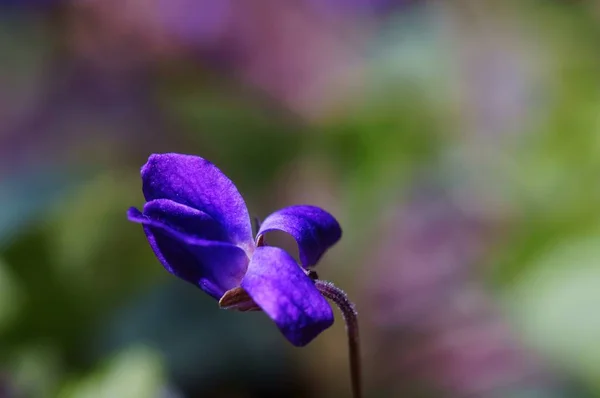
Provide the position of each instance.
(350, 315)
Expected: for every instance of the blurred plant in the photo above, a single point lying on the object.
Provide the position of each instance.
(422, 291)
(136, 372)
(31, 4)
(11, 297)
(98, 112)
(298, 53)
(7, 390)
(25, 194)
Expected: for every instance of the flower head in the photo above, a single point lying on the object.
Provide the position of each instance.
(198, 225)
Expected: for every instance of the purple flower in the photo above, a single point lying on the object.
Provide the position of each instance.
(198, 225)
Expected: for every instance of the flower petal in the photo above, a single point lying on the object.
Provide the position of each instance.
(185, 219)
(281, 288)
(213, 266)
(196, 182)
(314, 229)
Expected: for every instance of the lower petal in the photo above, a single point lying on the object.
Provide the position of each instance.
(281, 288)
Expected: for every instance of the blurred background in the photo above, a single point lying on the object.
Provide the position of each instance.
(458, 143)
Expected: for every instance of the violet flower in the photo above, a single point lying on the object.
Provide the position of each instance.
(198, 225)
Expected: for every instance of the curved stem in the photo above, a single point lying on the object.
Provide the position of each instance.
(350, 315)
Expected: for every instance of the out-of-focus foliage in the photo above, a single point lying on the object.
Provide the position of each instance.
(457, 142)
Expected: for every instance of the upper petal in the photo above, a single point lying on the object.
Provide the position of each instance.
(314, 229)
(281, 288)
(196, 182)
(213, 266)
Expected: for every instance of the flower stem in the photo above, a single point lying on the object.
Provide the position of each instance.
(350, 315)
